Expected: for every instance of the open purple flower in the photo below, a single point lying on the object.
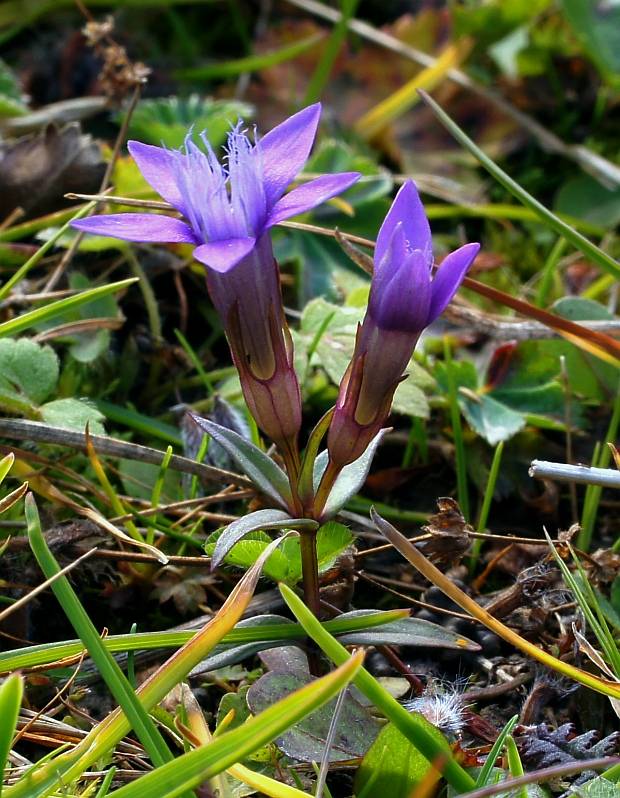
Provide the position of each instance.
(230, 209)
(404, 299)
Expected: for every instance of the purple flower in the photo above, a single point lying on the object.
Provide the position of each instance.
(228, 208)
(229, 211)
(404, 299)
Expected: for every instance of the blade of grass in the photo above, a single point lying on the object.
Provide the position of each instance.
(27, 229)
(11, 694)
(139, 422)
(586, 599)
(457, 434)
(115, 502)
(104, 789)
(548, 273)
(38, 255)
(322, 71)
(407, 96)
(434, 575)
(203, 763)
(593, 492)
(515, 765)
(580, 242)
(486, 503)
(69, 765)
(487, 768)
(52, 653)
(411, 725)
(251, 63)
(201, 735)
(53, 309)
(112, 675)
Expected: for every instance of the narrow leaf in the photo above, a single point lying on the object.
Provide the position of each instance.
(305, 483)
(251, 63)
(10, 701)
(51, 653)
(590, 250)
(61, 306)
(104, 737)
(264, 473)
(434, 575)
(404, 98)
(261, 519)
(6, 464)
(111, 673)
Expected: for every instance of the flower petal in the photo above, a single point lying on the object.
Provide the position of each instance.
(223, 255)
(408, 209)
(138, 227)
(448, 278)
(401, 303)
(285, 149)
(156, 165)
(311, 194)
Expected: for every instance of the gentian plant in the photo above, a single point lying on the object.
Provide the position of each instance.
(229, 210)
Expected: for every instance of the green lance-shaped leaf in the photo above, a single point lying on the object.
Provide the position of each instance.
(10, 701)
(114, 678)
(269, 478)
(261, 519)
(60, 307)
(285, 631)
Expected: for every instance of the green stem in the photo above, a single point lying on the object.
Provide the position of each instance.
(312, 598)
(310, 571)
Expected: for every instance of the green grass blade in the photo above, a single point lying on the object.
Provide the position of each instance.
(410, 724)
(112, 675)
(323, 69)
(548, 273)
(585, 598)
(11, 694)
(515, 765)
(69, 765)
(47, 653)
(593, 492)
(203, 763)
(139, 422)
(457, 432)
(485, 771)
(32, 262)
(5, 465)
(18, 232)
(27, 320)
(580, 242)
(486, 502)
(251, 63)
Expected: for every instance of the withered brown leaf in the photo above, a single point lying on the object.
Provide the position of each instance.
(449, 532)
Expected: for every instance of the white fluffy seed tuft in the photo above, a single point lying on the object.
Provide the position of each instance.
(444, 708)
